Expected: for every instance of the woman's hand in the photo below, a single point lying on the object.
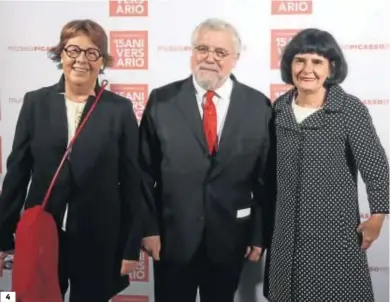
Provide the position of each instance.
(3, 255)
(128, 266)
(370, 229)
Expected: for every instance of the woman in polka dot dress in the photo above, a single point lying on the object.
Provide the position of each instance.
(324, 137)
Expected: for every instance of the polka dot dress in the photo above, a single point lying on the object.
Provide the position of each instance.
(315, 254)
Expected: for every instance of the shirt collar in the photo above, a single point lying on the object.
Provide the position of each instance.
(222, 92)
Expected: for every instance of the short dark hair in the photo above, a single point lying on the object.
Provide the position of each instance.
(87, 27)
(320, 42)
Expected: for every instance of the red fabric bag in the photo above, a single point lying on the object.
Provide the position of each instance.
(35, 267)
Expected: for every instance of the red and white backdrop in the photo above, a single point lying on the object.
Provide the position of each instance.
(150, 41)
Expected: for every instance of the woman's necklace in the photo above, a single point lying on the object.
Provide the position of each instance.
(310, 107)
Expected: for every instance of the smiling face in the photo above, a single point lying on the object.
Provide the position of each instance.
(81, 60)
(309, 72)
(213, 57)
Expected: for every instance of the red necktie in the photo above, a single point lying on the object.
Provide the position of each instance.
(210, 122)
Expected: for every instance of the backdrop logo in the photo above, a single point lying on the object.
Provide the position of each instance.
(376, 102)
(379, 269)
(130, 298)
(291, 7)
(129, 49)
(128, 8)
(33, 48)
(15, 100)
(276, 90)
(279, 39)
(367, 46)
(137, 93)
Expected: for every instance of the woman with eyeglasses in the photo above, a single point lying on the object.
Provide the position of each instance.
(96, 199)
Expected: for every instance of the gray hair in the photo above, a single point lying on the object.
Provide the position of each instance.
(217, 24)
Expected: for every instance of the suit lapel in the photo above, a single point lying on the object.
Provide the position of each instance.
(187, 103)
(188, 106)
(284, 113)
(231, 128)
(333, 103)
(285, 117)
(315, 121)
(234, 116)
(91, 139)
(58, 119)
(89, 143)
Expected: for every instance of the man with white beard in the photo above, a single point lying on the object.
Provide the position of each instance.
(207, 153)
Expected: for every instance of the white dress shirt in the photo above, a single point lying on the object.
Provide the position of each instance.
(221, 101)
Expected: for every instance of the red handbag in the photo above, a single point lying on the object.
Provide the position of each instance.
(35, 267)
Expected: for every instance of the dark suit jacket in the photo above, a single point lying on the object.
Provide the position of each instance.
(101, 180)
(193, 196)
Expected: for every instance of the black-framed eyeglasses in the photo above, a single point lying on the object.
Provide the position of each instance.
(74, 51)
(218, 53)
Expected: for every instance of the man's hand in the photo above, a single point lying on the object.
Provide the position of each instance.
(253, 253)
(152, 245)
(128, 266)
(371, 229)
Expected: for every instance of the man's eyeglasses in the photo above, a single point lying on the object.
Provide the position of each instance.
(92, 54)
(218, 53)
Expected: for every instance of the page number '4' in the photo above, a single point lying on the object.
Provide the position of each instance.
(7, 297)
